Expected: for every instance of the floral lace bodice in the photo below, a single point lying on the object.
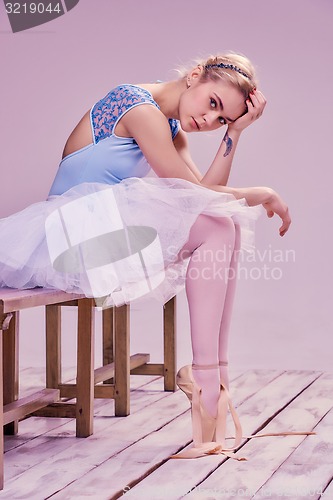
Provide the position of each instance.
(107, 112)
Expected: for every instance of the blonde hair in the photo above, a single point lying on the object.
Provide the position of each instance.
(231, 67)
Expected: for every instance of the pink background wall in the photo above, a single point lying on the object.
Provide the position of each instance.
(52, 74)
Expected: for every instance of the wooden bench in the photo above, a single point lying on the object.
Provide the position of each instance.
(112, 380)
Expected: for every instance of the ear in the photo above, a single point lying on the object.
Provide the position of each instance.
(194, 74)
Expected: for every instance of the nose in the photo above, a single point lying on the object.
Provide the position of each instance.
(211, 117)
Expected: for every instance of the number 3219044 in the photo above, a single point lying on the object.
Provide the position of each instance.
(32, 8)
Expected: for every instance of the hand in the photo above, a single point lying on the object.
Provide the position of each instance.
(264, 196)
(275, 205)
(255, 107)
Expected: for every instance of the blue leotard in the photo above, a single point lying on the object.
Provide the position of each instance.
(109, 158)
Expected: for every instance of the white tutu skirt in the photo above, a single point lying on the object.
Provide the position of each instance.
(116, 243)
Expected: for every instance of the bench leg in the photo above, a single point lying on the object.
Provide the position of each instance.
(1, 413)
(85, 368)
(53, 346)
(108, 339)
(11, 368)
(170, 362)
(122, 360)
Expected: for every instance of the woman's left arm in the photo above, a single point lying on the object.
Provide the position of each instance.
(219, 171)
(181, 144)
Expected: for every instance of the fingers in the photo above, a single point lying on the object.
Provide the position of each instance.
(258, 101)
(252, 112)
(255, 104)
(282, 213)
(258, 97)
(284, 228)
(269, 211)
(286, 223)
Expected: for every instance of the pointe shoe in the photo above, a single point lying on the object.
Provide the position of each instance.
(187, 384)
(208, 432)
(203, 424)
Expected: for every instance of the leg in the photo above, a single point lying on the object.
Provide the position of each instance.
(227, 311)
(11, 368)
(53, 346)
(211, 246)
(85, 368)
(1, 413)
(169, 328)
(108, 339)
(122, 360)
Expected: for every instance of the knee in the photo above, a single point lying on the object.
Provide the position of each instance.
(214, 222)
(227, 223)
(227, 229)
(218, 231)
(221, 230)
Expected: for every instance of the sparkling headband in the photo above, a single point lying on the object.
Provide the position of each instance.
(227, 66)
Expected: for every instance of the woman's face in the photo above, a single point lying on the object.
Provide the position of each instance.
(209, 105)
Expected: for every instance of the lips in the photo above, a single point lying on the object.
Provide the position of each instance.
(195, 124)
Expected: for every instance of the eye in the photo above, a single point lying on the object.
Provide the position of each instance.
(213, 103)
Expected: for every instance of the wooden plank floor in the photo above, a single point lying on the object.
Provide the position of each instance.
(128, 456)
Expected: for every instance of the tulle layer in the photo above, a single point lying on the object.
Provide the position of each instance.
(117, 243)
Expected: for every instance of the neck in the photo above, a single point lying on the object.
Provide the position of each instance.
(167, 95)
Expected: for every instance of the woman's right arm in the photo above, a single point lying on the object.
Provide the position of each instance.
(265, 196)
(151, 130)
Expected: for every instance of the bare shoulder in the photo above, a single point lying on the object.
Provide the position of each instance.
(145, 119)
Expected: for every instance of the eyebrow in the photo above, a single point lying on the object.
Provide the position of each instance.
(221, 106)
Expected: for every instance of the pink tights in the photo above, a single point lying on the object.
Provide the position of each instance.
(210, 288)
